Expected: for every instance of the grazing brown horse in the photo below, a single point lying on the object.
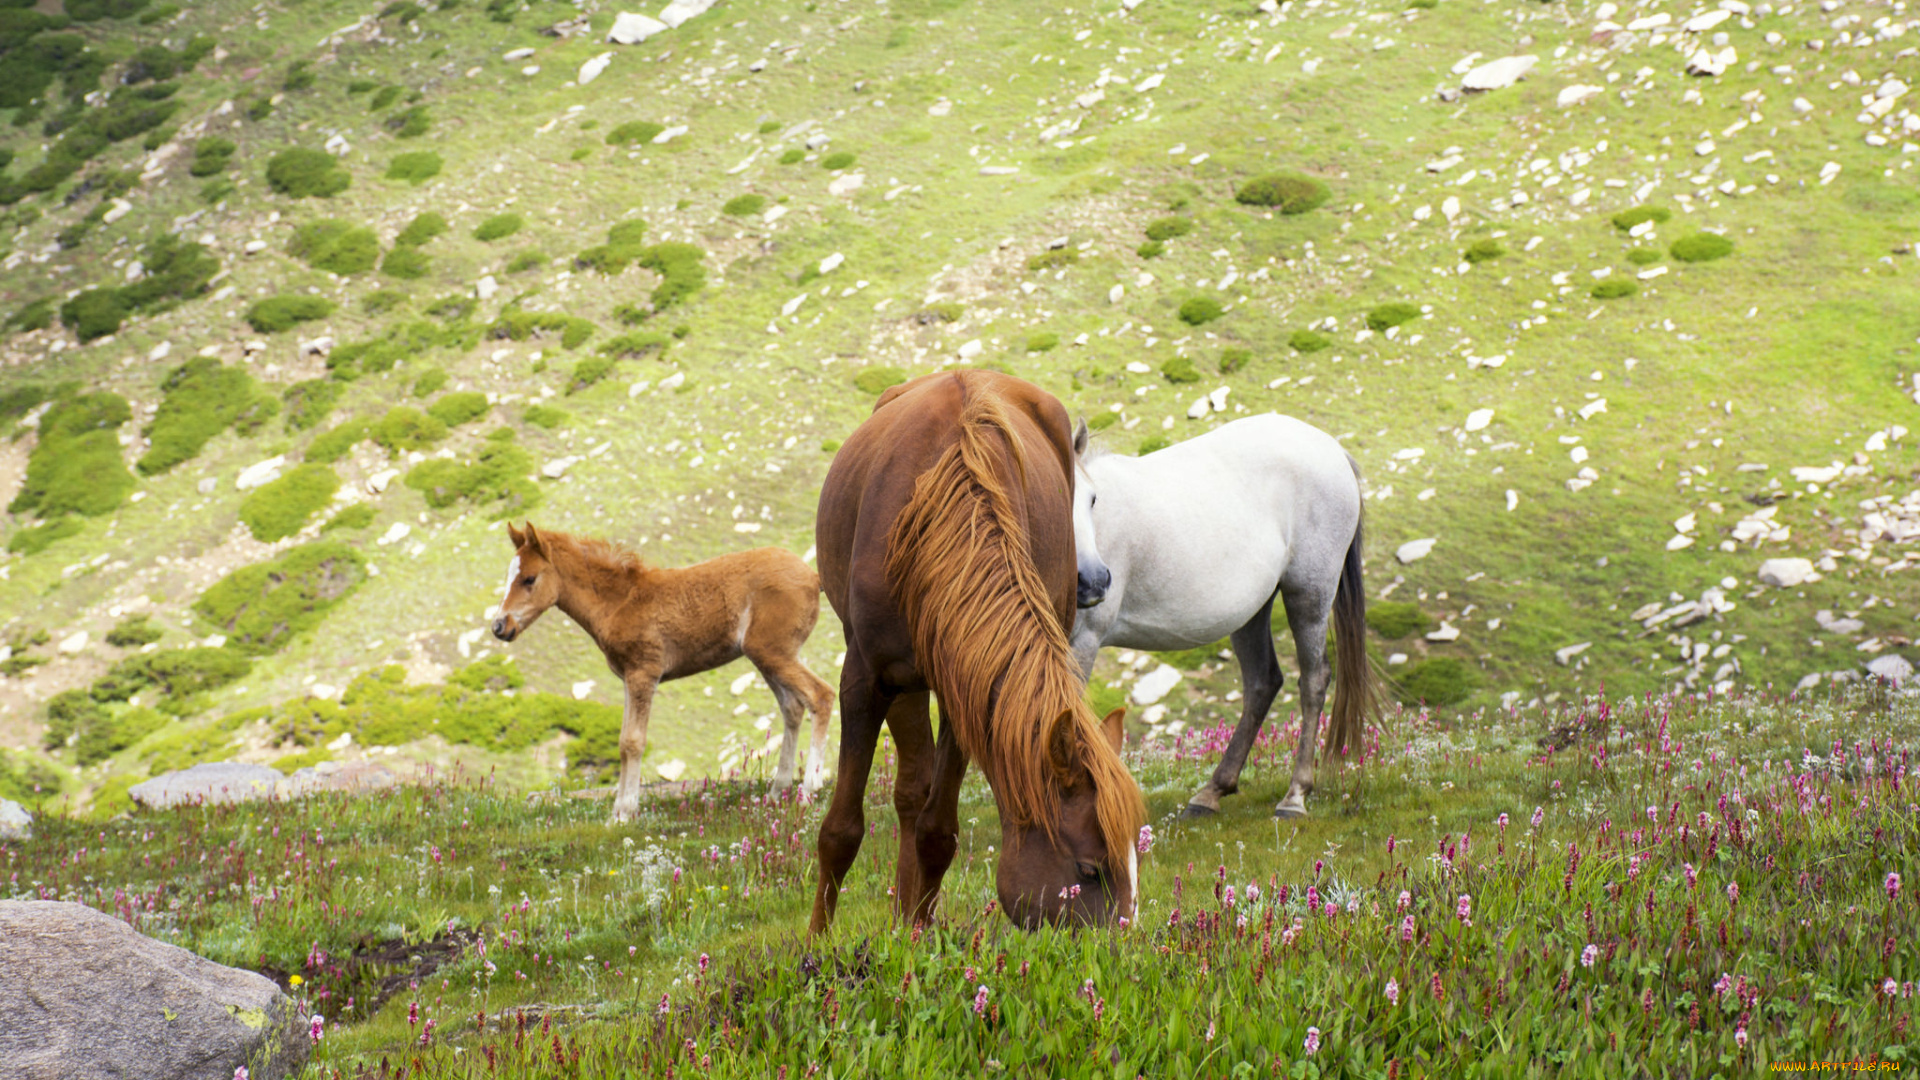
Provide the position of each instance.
(657, 623)
(945, 535)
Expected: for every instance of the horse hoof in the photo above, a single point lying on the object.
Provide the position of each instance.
(1195, 810)
(1285, 811)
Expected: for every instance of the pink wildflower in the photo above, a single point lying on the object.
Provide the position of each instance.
(1893, 885)
(665, 1006)
(1464, 909)
(1145, 843)
(316, 1027)
(1693, 876)
(1503, 823)
(1406, 929)
(1406, 900)
(1588, 955)
(1393, 991)
(980, 1002)
(1313, 1041)
(1890, 988)
(1227, 897)
(1539, 815)
(1733, 892)
(1740, 1038)
(240, 1072)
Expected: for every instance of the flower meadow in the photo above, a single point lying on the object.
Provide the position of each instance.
(1671, 885)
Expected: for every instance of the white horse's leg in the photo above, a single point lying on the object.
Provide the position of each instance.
(1260, 679)
(633, 742)
(1307, 618)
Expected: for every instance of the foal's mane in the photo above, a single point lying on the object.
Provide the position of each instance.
(986, 634)
(600, 565)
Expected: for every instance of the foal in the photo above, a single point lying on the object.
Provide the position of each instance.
(655, 624)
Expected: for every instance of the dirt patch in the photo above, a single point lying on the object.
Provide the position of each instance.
(350, 987)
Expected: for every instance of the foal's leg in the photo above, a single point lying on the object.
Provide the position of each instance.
(913, 738)
(633, 742)
(798, 692)
(863, 704)
(1307, 613)
(790, 723)
(1260, 679)
(820, 703)
(937, 836)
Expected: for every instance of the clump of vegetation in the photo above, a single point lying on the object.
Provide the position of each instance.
(625, 242)
(262, 607)
(34, 315)
(525, 261)
(1625, 220)
(430, 381)
(1387, 316)
(1614, 288)
(1232, 360)
(175, 270)
(498, 227)
(682, 272)
(634, 133)
(309, 402)
(1394, 619)
(1438, 682)
(335, 246)
(940, 311)
(1042, 341)
(211, 155)
(94, 731)
(406, 264)
(405, 429)
(133, 632)
(1288, 193)
(410, 124)
(1152, 249)
(384, 98)
(375, 355)
(459, 408)
(280, 508)
(1643, 256)
(519, 325)
(1484, 250)
(634, 346)
(76, 466)
(357, 516)
(1103, 421)
(1308, 341)
(793, 157)
(842, 159)
(1200, 310)
(1701, 247)
(496, 479)
(277, 313)
(1167, 228)
(744, 205)
(178, 676)
(203, 398)
(1053, 259)
(25, 780)
(307, 174)
(332, 445)
(422, 228)
(415, 167)
(1180, 369)
(37, 538)
(878, 379)
(589, 371)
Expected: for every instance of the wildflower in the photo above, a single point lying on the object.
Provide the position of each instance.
(1733, 892)
(1253, 893)
(1209, 1031)
(316, 1027)
(1539, 815)
(1406, 899)
(1393, 991)
(1588, 955)
(1693, 876)
(1329, 909)
(1890, 988)
(1313, 1041)
(1503, 823)
(1653, 814)
(413, 1013)
(1145, 843)
(1740, 1038)
(1099, 1009)
(240, 1072)
(1313, 898)
(1071, 892)
(1633, 867)
(1390, 843)
(703, 963)
(1464, 909)
(1438, 989)
(295, 980)
(426, 1034)
(665, 1006)
(1406, 929)
(980, 1002)
(1227, 897)
(1893, 885)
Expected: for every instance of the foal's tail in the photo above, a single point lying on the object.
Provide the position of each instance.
(1355, 690)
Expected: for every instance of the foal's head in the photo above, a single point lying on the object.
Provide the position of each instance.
(1081, 874)
(532, 586)
(1094, 577)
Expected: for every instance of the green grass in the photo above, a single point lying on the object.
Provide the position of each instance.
(203, 399)
(1701, 247)
(307, 174)
(262, 607)
(279, 313)
(498, 227)
(423, 228)
(335, 246)
(281, 508)
(76, 466)
(415, 167)
(744, 205)
(876, 380)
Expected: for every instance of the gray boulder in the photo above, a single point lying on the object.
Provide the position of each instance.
(215, 782)
(15, 822)
(350, 776)
(83, 994)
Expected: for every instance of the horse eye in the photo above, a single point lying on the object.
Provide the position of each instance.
(1093, 502)
(1089, 871)
(527, 581)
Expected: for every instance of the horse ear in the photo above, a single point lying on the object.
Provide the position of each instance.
(1080, 437)
(1114, 727)
(534, 541)
(519, 538)
(1063, 744)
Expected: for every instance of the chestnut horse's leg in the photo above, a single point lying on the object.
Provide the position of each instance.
(913, 738)
(937, 836)
(863, 704)
(633, 742)
(1260, 680)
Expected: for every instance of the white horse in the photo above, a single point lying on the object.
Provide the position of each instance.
(1199, 539)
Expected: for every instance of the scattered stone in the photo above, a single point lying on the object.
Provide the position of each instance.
(1892, 667)
(1565, 655)
(486, 287)
(211, 783)
(1446, 632)
(394, 534)
(85, 994)
(74, 642)
(847, 184)
(581, 689)
(15, 822)
(671, 770)
(1574, 95)
(998, 170)
(629, 28)
(681, 10)
(512, 55)
(591, 70)
(264, 472)
(1786, 573)
(377, 483)
(1415, 550)
(1478, 419)
(1155, 685)
(1705, 21)
(557, 468)
(1498, 74)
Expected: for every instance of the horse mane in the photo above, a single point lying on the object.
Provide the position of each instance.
(986, 634)
(601, 565)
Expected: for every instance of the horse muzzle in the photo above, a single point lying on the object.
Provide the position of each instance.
(504, 632)
(1091, 589)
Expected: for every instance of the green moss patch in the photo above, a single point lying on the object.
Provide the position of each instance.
(634, 133)
(211, 156)
(281, 508)
(422, 228)
(335, 246)
(307, 174)
(76, 466)
(1307, 341)
(497, 479)
(405, 429)
(1042, 341)
(1483, 251)
(1614, 288)
(546, 416)
(744, 205)
(277, 313)
(178, 675)
(357, 516)
(262, 607)
(430, 382)
(416, 167)
(203, 399)
(38, 538)
(1180, 370)
(133, 632)
(1387, 316)
(1627, 219)
(1439, 682)
(1393, 619)
(96, 732)
(400, 343)
(498, 227)
(635, 346)
(305, 404)
(1701, 247)
(1167, 228)
(877, 380)
(1288, 193)
(406, 264)
(1200, 310)
(459, 408)
(1232, 360)
(1643, 256)
(332, 445)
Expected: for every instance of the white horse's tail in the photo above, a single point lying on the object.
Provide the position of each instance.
(1355, 687)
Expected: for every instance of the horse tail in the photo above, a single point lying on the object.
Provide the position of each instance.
(1356, 688)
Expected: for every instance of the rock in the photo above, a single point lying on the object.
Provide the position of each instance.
(1479, 419)
(591, 70)
(1565, 656)
(353, 776)
(254, 247)
(832, 262)
(667, 135)
(1785, 573)
(1415, 550)
(1151, 82)
(1446, 632)
(15, 822)
(1574, 95)
(557, 468)
(1155, 685)
(1892, 667)
(377, 483)
(512, 55)
(631, 28)
(215, 783)
(1709, 63)
(846, 185)
(1651, 22)
(85, 994)
(673, 381)
(681, 10)
(74, 642)
(1705, 21)
(581, 689)
(264, 472)
(998, 170)
(671, 770)
(1498, 74)
(971, 349)
(486, 287)
(320, 346)
(121, 208)
(395, 533)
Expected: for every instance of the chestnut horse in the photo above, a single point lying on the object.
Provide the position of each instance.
(656, 623)
(945, 535)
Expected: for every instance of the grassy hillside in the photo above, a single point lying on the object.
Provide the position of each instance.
(366, 240)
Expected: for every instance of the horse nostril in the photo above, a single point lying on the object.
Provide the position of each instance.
(500, 628)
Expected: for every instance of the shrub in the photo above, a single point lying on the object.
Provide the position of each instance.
(349, 362)
(404, 429)
(459, 408)
(262, 607)
(299, 77)
(940, 311)
(1167, 228)
(36, 315)
(1307, 341)
(497, 475)
(793, 156)
(280, 508)
(744, 205)
(1627, 219)
(38, 538)
(498, 227)
(335, 246)
(177, 674)
(1287, 192)
(332, 445)
(1643, 256)
(1485, 250)
(416, 167)
(877, 380)
(95, 732)
(589, 371)
(1102, 421)
(634, 133)
(133, 632)
(625, 243)
(94, 10)
(25, 780)
(1232, 360)
(95, 313)
(357, 516)
(1393, 619)
(203, 399)
(304, 174)
(1387, 316)
(454, 307)
(430, 381)
(210, 156)
(405, 263)
(410, 124)
(768, 127)
(1180, 370)
(842, 159)
(519, 325)
(76, 466)
(634, 345)
(1152, 249)
(277, 313)
(545, 416)
(1053, 259)
(1615, 288)
(308, 402)
(1042, 341)
(422, 228)
(1200, 310)
(387, 96)
(525, 261)
(1438, 682)
(1701, 247)
(681, 269)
